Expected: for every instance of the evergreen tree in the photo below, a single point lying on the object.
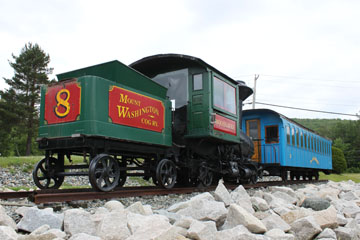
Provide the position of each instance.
(22, 98)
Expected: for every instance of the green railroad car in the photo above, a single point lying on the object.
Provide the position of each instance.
(172, 118)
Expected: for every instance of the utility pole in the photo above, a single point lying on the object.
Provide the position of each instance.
(254, 94)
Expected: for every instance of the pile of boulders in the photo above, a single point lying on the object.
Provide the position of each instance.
(327, 211)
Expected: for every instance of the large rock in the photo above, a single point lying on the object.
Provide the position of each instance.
(348, 196)
(172, 233)
(286, 190)
(34, 218)
(259, 204)
(140, 209)
(274, 221)
(7, 233)
(205, 210)
(344, 233)
(294, 215)
(285, 197)
(330, 192)
(341, 220)
(305, 228)
(238, 232)
(279, 234)
(114, 226)
(239, 216)
(84, 236)
(44, 233)
(114, 205)
(173, 217)
(326, 218)
(351, 210)
(184, 222)
(281, 210)
(327, 233)
(242, 198)
(222, 194)
(316, 204)
(274, 202)
(202, 230)
(5, 220)
(78, 221)
(181, 205)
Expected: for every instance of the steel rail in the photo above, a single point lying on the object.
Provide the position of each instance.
(66, 195)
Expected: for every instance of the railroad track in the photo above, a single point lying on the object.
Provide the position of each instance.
(66, 195)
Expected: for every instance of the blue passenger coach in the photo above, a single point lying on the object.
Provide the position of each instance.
(283, 146)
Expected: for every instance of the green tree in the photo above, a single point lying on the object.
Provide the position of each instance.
(338, 160)
(22, 98)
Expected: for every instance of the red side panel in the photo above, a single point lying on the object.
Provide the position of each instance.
(225, 125)
(63, 102)
(136, 110)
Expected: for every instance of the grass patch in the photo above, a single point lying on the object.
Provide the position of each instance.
(20, 188)
(341, 177)
(30, 161)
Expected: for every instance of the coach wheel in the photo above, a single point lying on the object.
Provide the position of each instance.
(284, 175)
(305, 176)
(104, 173)
(316, 175)
(44, 174)
(166, 173)
(206, 177)
(294, 175)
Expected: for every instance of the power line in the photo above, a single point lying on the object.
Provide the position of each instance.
(309, 110)
(310, 79)
(304, 101)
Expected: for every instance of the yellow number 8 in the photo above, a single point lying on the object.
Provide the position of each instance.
(62, 102)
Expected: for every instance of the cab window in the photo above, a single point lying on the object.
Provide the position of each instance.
(224, 96)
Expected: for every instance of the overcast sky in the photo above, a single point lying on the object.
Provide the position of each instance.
(306, 52)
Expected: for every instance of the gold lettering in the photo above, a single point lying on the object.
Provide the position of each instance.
(125, 99)
(123, 111)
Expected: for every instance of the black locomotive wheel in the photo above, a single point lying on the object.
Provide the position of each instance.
(206, 177)
(104, 173)
(166, 173)
(254, 179)
(44, 174)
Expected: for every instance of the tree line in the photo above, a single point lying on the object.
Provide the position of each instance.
(19, 104)
(345, 135)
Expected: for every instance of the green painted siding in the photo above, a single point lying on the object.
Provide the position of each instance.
(94, 117)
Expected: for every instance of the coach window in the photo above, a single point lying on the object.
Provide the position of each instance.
(293, 136)
(271, 134)
(301, 139)
(288, 134)
(312, 143)
(306, 141)
(297, 138)
(224, 96)
(197, 82)
(317, 145)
